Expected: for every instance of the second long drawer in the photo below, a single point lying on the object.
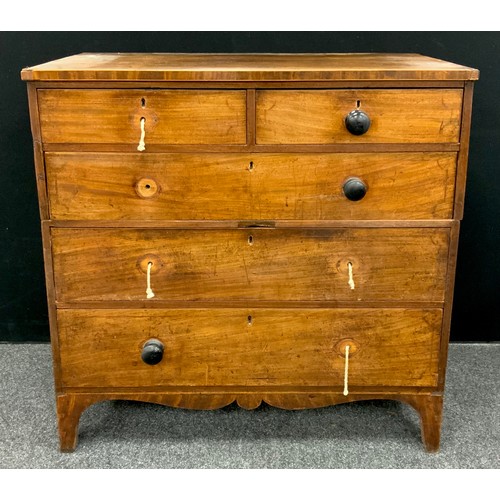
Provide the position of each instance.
(332, 264)
(94, 186)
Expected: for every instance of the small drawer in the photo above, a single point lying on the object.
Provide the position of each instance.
(252, 348)
(395, 116)
(106, 186)
(345, 264)
(170, 116)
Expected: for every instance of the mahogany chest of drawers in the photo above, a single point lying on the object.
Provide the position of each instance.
(277, 228)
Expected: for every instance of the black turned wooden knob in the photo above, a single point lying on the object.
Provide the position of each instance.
(354, 189)
(152, 352)
(357, 122)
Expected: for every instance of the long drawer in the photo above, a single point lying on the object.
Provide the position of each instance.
(243, 347)
(97, 186)
(250, 264)
(170, 116)
(397, 116)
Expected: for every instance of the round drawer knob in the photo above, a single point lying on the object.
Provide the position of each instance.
(354, 189)
(357, 122)
(152, 352)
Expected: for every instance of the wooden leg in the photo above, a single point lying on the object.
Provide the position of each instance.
(69, 409)
(430, 409)
(431, 414)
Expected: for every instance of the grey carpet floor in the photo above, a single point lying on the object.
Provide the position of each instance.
(379, 434)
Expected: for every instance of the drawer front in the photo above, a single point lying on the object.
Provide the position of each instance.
(397, 116)
(241, 347)
(251, 264)
(100, 186)
(171, 116)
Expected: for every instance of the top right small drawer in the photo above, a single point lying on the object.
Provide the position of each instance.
(388, 115)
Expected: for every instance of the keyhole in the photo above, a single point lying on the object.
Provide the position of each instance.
(143, 102)
(250, 166)
(358, 104)
(147, 186)
(250, 320)
(250, 240)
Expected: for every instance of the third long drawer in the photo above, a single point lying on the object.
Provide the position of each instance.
(327, 264)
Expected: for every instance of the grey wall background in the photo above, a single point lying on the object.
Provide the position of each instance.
(23, 310)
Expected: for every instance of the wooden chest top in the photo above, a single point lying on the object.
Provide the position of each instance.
(246, 67)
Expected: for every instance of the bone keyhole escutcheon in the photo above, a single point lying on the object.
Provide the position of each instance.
(142, 140)
(351, 275)
(149, 264)
(346, 348)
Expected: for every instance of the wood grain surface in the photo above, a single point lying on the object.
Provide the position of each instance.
(463, 156)
(106, 186)
(223, 347)
(317, 116)
(250, 264)
(114, 116)
(238, 67)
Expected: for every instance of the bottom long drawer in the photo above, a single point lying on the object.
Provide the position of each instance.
(258, 347)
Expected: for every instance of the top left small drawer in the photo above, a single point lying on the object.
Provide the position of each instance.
(168, 116)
